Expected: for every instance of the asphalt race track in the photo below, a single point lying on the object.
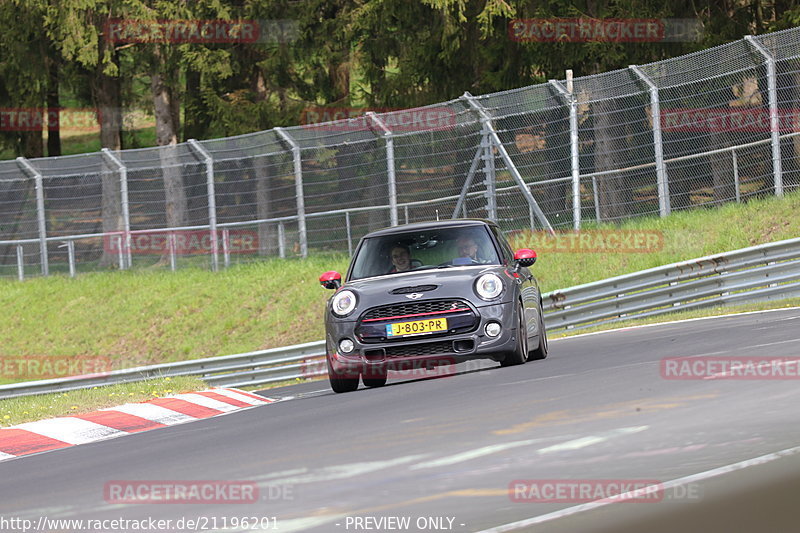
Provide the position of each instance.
(444, 453)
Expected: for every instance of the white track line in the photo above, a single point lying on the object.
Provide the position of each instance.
(708, 474)
(241, 397)
(205, 401)
(154, 413)
(70, 430)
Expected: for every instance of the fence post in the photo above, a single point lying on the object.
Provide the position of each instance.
(392, 177)
(572, 102)
(281, 241)
(20, 263)
(123, 192)
(298, 187)
(508, 161)
(461, 204)
(349, 235)
(71, 257)
(736, 185)
(664, 207)
(226, 247)
(40, 217)
(489, 172)
(774, 119)
(212, 201)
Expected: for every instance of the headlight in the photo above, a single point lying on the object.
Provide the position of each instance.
(489, 286)
(343, 303)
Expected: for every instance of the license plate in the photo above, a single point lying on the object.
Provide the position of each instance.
(417, 327)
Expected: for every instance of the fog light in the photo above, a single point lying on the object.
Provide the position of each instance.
(346, 346)
(492, 329)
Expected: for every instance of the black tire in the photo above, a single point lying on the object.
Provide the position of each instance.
(342, 382)
(541, 351)
(376, 379)
(520, 353)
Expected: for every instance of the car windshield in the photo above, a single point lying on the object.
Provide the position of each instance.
(424, 249)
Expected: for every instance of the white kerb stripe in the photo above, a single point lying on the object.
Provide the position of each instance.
(230, 393)
(155, 413)
(70, 430)
(6, 456)
(205, 401)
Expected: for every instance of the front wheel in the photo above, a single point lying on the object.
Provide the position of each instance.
(342, 382)
(541, 351)
(520, 353)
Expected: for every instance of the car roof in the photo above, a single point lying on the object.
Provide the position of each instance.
(433, 224)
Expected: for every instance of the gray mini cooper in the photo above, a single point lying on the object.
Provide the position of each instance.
(430, 294)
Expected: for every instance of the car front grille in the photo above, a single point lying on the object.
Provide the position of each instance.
(428, 348)
(414, 308)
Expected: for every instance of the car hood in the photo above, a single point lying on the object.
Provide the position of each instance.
(454, 282)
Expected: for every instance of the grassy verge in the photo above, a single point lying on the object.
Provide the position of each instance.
(29, 408)
(152, 316)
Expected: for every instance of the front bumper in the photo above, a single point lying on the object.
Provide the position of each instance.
(423, 351)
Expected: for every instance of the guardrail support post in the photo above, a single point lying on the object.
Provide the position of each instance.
(212, 200)
(298, 186)
(40, 216)
(487, 121)
(774, 119)
(20, 263)
(392, 178)
(126, 216)
(664, 207)
(572, 102)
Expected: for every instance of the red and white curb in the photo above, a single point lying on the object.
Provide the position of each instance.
(63, 432)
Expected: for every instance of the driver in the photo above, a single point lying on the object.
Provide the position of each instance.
(401, 259)
(467, 247)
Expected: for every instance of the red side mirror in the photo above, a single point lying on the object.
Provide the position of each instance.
(331, 280)
(525, 257)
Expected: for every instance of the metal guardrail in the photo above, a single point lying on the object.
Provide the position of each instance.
(768, 271)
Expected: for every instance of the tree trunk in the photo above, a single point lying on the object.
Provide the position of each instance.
(106, 95)
(167, 126)
(53, 126)
(613, 191)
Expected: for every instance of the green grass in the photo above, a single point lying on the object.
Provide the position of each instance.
(152, 316)
(15, 411)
